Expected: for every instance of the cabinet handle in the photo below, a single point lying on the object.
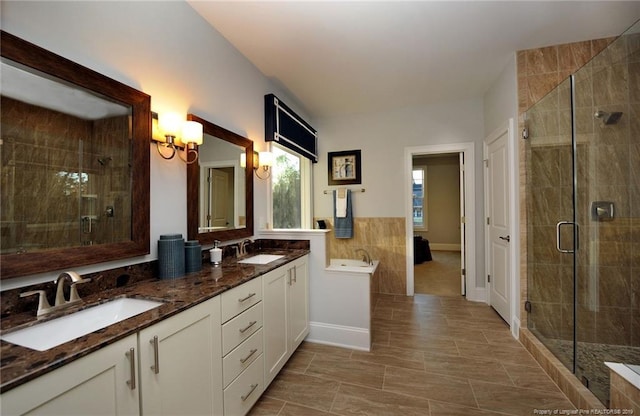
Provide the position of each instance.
(289, 277)
(131, 354)
(250, 295)
(246, 396)
(244, 360)
(246, 328)
(156, 357)
(295, 275)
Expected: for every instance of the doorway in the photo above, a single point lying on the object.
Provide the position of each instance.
(437, 229)
(467, 218)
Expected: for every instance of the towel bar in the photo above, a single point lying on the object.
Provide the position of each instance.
(328, 191)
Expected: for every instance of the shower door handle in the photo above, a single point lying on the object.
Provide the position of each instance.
(559, 239)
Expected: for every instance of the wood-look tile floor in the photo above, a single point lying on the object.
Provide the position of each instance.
(440, 276)
(431, 355)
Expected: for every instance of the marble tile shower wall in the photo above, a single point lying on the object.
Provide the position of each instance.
(41, 191)
(608, 160)
(384, 239)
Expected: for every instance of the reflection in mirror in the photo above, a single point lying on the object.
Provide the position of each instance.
(65, 164)
(219, 187)
(222, 185)
(74, 163)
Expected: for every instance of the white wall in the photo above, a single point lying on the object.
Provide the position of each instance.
(168, 51)
(501, 100)
(500, 105)
(382, 137)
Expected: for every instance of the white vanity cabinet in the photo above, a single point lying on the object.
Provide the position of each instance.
(102, 383)
(180, 366)
(286, 314)
(242, 360)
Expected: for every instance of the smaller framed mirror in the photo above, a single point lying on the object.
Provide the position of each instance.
(220, 186)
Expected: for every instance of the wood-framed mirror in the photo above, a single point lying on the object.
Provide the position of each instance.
(75, 164)
(219, 187)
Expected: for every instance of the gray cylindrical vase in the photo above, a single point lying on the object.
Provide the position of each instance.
(192, 256)
(171, 258)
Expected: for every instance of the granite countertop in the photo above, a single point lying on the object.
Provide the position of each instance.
(19, 364)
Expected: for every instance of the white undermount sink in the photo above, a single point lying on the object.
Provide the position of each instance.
(52, 333)
(261, 259)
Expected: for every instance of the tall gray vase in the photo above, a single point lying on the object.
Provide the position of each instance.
(171, 262)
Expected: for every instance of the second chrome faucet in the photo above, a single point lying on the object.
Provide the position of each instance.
(366, 257)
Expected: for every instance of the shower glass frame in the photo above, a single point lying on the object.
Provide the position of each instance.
(583, 190)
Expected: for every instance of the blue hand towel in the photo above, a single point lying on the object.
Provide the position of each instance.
(343, 227)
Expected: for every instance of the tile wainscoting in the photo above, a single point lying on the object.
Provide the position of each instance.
(384, 240)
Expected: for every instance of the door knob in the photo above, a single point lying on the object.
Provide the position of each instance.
(507, 238)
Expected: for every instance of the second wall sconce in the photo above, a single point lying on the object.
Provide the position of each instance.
(170, 131)
(261, 161)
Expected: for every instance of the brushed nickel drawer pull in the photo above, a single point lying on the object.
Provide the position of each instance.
(156, 358)
(246, 328)
(131, 354)
(246, 396)
(249, 296)
(244, 360)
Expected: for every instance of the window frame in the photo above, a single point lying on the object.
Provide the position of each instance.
(425, 222)
(306, 181)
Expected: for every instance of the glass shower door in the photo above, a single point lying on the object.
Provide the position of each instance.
(583, 215)
(607, 209)
(550, 218)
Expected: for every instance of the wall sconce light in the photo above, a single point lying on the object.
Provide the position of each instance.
(170, 131)
(261, 161)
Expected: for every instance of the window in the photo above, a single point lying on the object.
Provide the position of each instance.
(290, 189)
(419, 193)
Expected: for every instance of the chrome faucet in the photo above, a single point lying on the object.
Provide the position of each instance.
(44, 307)
(243, 246)
(366, 257)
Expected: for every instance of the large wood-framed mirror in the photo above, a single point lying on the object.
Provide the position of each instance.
(219, 188)
(74, 163)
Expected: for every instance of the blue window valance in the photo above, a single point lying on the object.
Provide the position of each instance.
(285, 127)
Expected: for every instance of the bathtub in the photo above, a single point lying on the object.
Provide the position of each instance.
(342, 312)
(352, 266)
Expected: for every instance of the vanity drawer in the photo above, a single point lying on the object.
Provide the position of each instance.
(240, 328)
(241, 298)
(239, 359)
(245, 390)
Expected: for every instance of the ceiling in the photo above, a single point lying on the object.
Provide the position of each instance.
(348, 57)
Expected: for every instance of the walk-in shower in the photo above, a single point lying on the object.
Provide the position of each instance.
(583, 215)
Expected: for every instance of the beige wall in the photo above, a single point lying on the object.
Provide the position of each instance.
(443, 199)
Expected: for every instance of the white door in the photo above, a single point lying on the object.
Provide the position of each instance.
(463, 286)
(498, 226)
(219, 189)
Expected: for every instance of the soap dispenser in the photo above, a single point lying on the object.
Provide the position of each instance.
(216, 253)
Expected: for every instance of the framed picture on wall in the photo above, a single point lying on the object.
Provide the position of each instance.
(344, 167)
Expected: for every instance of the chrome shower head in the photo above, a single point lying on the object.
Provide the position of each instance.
(608, 118)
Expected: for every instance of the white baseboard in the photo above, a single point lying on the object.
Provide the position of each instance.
(515, 328)
(477, 294)
(445, 247)
(339, 336)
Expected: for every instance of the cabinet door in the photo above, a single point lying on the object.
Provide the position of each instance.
(299, 303)
(181, 372)
(275, 321)
(98, 384)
